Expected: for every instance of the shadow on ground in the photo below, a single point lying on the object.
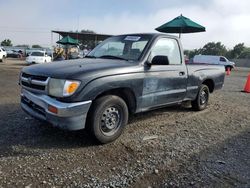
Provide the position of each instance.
(19, 129)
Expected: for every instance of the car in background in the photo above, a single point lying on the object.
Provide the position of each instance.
(215, 60)
(38, 57)
(3, 54)
(13, 54)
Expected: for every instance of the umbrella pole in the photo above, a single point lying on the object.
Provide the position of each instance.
(179, 35)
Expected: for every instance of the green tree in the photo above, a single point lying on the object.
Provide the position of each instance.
(36, 46)
(192, 53)
(23, 45)
(213, 48)
(6, 42)
(245, 54)
(87, 31)
(236, 51)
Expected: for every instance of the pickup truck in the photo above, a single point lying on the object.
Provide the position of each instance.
(123, 75)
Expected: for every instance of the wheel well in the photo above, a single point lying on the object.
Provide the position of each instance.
(210, 84)
(126, 94)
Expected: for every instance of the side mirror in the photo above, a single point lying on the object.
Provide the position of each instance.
(160, 60)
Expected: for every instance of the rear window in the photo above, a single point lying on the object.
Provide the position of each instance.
(37, 54)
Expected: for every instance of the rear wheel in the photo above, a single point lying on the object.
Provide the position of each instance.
(108, 117)
(201, 101)
(3, 59)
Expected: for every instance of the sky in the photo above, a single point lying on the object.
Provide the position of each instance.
(31, 21)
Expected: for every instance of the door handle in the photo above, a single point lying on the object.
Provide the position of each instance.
(182, 73)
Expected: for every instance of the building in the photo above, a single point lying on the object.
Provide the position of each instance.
(89, 40)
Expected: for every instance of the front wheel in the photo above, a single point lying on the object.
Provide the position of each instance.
(201, 101)
(108, 117)
(3, 59)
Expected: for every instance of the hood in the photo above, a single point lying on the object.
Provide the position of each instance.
(71, 69)
(231, 63)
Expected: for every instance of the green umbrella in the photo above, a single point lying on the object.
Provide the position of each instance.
(180, 25)
(67, 41)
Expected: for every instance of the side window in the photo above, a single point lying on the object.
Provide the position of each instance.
(167, 47)
(223, 59)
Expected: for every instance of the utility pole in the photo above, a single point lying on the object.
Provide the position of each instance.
(51, 41)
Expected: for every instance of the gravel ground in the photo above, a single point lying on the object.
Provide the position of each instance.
(170, 147)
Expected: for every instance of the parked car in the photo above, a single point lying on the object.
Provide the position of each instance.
(215, 60)
(123, 75)
(38, 57)
(3, 54)
(13, 54)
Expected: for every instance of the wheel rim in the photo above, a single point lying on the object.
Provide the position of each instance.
(110, 121)
(203, 97)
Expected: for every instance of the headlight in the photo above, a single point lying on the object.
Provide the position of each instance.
(62, 88)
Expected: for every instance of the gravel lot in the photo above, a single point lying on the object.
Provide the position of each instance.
(170, 147)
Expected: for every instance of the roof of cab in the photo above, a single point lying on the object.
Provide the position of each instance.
(150, 34)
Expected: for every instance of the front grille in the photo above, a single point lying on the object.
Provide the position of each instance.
(34, 82)
(35, 77)
(33, 86)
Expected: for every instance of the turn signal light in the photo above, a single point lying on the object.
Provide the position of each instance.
(52, 109)
(72, 87)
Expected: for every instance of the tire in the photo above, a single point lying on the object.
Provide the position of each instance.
(201, 101)
(108, 117)
(3, 59)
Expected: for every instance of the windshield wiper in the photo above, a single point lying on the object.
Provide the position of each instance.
(112, 57)
(90, 56)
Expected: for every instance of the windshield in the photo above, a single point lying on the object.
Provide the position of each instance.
(37, 54)
(127, 47)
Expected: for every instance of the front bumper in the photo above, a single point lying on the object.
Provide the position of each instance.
(70, 116)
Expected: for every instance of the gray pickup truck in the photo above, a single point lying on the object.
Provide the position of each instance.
(123, 75)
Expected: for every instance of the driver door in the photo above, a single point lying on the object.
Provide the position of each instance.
(165, 84)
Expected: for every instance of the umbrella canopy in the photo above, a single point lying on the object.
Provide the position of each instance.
(180, 25)
(67, 41)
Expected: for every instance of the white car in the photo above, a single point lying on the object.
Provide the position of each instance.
(215, 60)
(38, 57)
(3, 54)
